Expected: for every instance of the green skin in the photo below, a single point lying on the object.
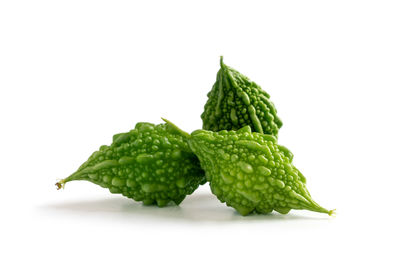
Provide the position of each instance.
(251, 172)
(150, 163)
(234, 102)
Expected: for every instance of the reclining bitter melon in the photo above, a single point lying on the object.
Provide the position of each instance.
(250, 171)
(149, 163)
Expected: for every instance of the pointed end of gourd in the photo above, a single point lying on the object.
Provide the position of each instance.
(60, 184)
(221, 61)
(166, 121)
(311, 205)
(332, 213)
(176, 128)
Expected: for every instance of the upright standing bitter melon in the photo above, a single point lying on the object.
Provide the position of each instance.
(250, 171)
(234, 102)
(150, 163)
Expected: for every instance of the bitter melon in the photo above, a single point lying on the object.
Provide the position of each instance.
(149, 163)
(250, 171)
(234, 102)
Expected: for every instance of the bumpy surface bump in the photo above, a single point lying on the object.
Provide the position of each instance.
(234, 102)
(150, 163)
(251, 172)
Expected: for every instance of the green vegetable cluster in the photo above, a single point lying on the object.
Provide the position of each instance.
(236, 152)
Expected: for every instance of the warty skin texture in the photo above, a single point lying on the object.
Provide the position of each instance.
(149, 164)
(235, 101)
(250, 172)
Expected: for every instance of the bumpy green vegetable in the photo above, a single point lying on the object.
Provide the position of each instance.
(150, 163)
(234, 102)
(251, 172)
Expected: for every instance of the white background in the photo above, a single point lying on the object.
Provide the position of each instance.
(73, 73)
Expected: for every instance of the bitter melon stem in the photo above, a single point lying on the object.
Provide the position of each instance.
(221, 61)
(177, 129)
(60, 184)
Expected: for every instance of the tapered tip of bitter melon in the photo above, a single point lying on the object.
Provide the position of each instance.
(60, 184)
(221, 61)
(332, 213)
(176, 129)
(311, 205)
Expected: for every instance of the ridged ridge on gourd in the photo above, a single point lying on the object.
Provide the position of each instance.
(150, 164)
(234, 102)
(251, 172)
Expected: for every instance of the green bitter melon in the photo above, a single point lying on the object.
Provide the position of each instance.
(234, 102)
(250, 171)
(149, 163)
